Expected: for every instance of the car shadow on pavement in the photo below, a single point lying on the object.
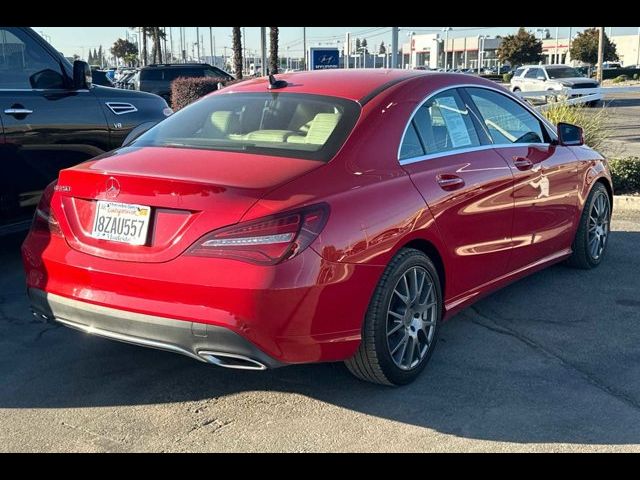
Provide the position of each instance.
(553, 358)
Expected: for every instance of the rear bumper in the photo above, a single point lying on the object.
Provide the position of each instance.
(206, 343)
(303, 310)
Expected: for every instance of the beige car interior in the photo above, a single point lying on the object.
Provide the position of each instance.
(306, 126)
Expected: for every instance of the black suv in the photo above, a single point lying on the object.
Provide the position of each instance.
(53, 117)
(157, 78)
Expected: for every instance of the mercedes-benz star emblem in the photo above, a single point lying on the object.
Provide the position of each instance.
(113, 188)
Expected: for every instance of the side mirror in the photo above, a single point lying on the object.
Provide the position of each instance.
(81, 75)
(570, 135)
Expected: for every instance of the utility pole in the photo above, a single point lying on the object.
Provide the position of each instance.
(304, 46)
(198, 41)
(263, 49)
(446, 46)
(213, 53)
(394, 47)
(638, 52)
(557, 61)
(171, 44)
(568, 47)
(600, 53)
(347, 49)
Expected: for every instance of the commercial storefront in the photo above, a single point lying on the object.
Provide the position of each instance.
(470, 52)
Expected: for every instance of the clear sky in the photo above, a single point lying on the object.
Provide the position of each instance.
(77, 40)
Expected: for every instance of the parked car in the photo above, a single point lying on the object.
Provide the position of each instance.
(539, 78)
(52, 116)
(305, 220)
(126, 81)
(157, 78)
(99, 77)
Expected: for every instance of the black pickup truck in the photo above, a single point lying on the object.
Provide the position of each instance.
(53, 117)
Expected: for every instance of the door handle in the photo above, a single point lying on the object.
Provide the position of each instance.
(522, 163)
(18, 111)
(449, 182)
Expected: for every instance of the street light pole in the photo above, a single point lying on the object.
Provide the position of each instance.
(213, 53)
(556, 59)
(446, 45)
(394, 47)
(198, 40)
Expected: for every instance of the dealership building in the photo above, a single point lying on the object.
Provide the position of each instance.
(468, 52)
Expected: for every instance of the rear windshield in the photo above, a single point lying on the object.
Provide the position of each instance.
(296, 125)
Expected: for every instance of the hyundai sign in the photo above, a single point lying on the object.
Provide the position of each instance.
(324, 58)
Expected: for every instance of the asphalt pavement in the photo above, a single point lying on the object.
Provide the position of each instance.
(550, 363)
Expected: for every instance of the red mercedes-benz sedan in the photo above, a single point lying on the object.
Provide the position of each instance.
(331, 215)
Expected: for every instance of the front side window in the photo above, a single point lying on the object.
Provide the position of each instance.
(444, 123)
(282, 124)
(24, 64)
(506, 120)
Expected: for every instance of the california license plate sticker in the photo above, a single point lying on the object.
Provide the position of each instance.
(121, 222)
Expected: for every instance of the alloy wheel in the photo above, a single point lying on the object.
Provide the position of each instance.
(411, 318)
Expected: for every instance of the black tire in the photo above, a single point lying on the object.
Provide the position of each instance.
(516, 89)
(582, 256)
(594, 103)
(373, 360)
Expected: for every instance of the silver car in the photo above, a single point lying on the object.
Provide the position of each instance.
(539, 78)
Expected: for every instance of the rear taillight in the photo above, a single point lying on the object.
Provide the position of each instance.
(268, 240)
(44, 220)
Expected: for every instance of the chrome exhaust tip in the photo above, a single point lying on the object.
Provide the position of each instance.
(231, 360)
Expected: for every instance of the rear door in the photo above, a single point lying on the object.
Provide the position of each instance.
(47, 126)
(468, 187)
(545, 174)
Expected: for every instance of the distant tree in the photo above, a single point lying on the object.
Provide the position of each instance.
(76, 57)
(125, 50)
(237, 52)
(358, 46)
(521, 48)
(585, 47)
(364, 46)
(382, 50)
(547, 34)
(273, 50)
(100, 57)
(90, 58)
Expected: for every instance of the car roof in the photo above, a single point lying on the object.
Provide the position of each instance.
(177, 65)
(352, 84)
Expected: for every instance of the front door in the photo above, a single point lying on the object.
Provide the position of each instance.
(468, 187)
(47, 125)
(546, 181)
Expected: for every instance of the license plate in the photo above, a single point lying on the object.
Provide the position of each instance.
(121, 222)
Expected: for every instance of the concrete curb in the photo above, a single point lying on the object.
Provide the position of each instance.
(626, 202)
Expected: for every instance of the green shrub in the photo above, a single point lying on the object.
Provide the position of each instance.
(620, 79)
(592, 121)
(506, 77)
(625, 173)
(186, 90)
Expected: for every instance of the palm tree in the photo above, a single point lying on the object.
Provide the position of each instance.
(273, 50)
(237, 52)
(143, 42)
(156, 51)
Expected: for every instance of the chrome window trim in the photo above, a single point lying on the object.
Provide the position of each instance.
(446, 153)
(545, 122)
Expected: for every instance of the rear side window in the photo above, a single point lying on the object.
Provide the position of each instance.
(151, 75)
(171, 74)
(506, 120)
(442, 124)
(518, 72)
(282, 124)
